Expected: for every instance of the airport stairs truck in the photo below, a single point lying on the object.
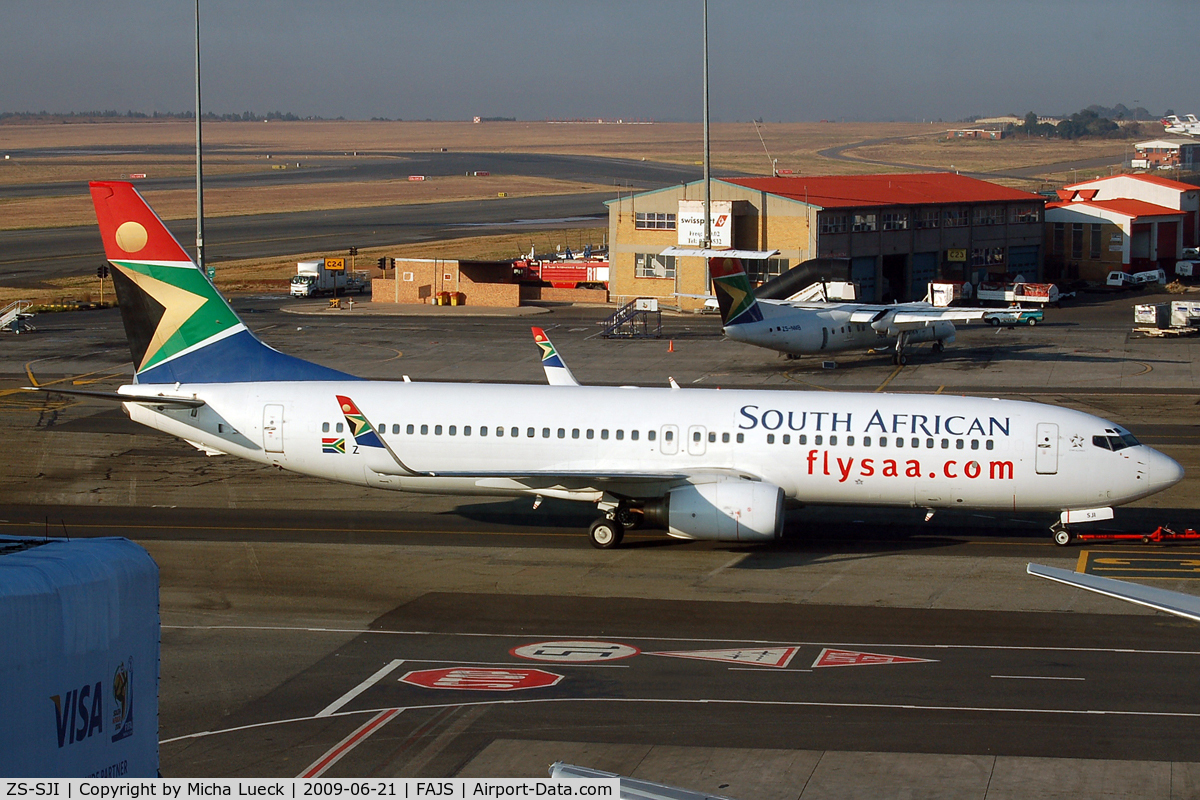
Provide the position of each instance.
(314, 278)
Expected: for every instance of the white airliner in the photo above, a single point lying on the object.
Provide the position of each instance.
(803, 328)
(701, 463)
(1189, 125)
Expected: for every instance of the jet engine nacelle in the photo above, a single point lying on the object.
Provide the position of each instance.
(941, 330)
(726, 511)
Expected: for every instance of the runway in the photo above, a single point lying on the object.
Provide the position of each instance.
(313, 628)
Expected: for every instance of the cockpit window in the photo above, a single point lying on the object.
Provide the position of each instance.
(1115, 441)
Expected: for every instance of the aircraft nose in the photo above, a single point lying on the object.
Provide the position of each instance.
(1163, 471)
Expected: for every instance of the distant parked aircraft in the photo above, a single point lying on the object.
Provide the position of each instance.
(1189, 125)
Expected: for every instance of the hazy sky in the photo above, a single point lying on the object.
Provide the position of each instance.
(558, 59)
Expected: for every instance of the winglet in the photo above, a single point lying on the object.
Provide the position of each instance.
(557, 372)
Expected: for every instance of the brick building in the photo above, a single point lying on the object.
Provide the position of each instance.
(891, 234)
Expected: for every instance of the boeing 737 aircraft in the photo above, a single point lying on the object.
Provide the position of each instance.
(799, 328)
(701, 463)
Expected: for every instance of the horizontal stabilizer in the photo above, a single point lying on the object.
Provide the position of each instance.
(1177, 603)
(149, 400)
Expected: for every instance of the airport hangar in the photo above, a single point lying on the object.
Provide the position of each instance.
(890, 234)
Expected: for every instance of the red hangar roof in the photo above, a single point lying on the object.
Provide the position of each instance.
(856, 191)
(1152, 179)
(1123, 206)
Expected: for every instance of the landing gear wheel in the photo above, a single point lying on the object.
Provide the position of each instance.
(1062, 537)
(939, 347)
(629, 519)
(606, 534)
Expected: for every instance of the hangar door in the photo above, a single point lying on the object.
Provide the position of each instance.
(862, 272)
(924, 270)
(1024, 260)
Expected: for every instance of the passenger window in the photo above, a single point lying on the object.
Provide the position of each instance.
(591, 434)
(724, 438)
(850, 441)
(514, 431)
(787, 438)
(741, 438)
(545, 433)
(988, 446)
(453, 430)
(958, 444)
(499, 431)
(945, 444)
(530, 433)
(899, 442)
(974, 444)
(929, 443)
(669, 435)
(483, 429)
(424, 430)
(770, 438)
(562, 433)
(382, 427)
(410, 430)
(324, 427)
(604, 433)
(633, 435)
(574, 433)
(620, 434)
(818, 439)
(466, 430)
(832, 441)
(395, 428)
(437, 430)
(651, 435)
(696, 436)
(802, 439)
(338, 427)
(866, 441)
(712, 436)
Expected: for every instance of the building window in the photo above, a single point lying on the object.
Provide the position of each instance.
(1076, 240)
(1095, 248)
(1018, 215)
(832, 223)
(759, 270)
(1059, 237)
(654, 222)
(987, 256)
(956, 217)
(989, 215)
(652, 265)
(895, 220)
(928, 218)
(864, 222)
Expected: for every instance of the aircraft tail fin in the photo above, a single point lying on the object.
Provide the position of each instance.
(734, 293)
(180, 329)
(557, 371)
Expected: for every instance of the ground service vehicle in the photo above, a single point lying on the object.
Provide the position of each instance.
(313, 279)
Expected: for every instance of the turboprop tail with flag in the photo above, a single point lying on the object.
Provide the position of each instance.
(180, 329)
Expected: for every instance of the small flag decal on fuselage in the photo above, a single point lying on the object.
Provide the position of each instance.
(333, 446)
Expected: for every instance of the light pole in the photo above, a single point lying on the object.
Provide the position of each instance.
(199, 163)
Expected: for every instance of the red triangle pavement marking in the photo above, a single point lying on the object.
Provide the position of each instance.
(852, 658)
(763, 657)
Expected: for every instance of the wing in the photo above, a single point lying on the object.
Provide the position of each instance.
(1177, 603)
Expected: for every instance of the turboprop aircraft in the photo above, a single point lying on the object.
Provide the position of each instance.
(801, 328)
(701, 463)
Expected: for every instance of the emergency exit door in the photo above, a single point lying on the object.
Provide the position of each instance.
(1046, 460)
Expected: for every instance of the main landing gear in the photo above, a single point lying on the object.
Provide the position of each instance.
(608, 531)
(899, 357)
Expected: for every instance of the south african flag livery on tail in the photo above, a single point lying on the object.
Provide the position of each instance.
(180, 329)
(734, 295)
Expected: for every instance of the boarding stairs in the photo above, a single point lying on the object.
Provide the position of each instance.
(637, 319)
(14, 316)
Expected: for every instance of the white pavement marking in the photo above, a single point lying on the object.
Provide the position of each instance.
(1037, 678)
(336, 705)
(360, 734)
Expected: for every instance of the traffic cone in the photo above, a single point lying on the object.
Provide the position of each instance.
(671, 346)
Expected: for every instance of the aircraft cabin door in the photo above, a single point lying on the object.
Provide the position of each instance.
(695, 443)
(273, 428)
(1046, 460)
(668, 443)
